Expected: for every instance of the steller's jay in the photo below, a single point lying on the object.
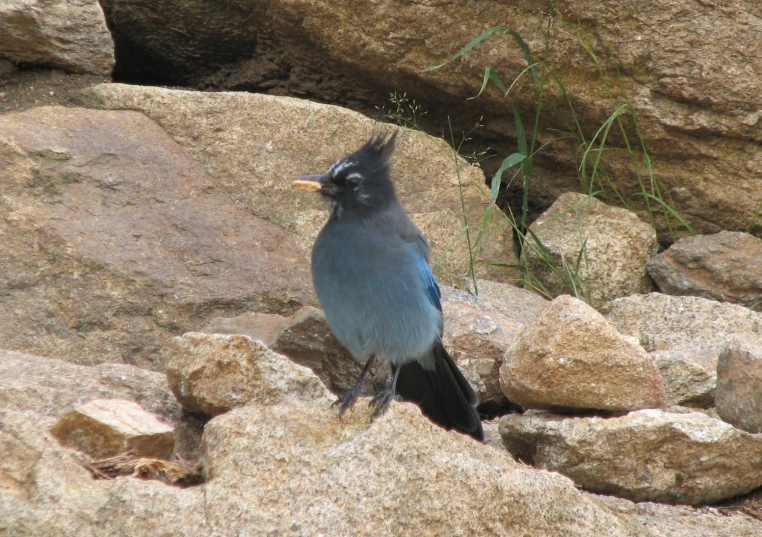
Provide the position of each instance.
(370, 268)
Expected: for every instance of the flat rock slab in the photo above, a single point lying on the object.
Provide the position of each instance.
(684, 521)
(570, 357)
(725, 266)
(108, 427)
(663, 322)
(295, 467)
(647, 455)
(114, 240)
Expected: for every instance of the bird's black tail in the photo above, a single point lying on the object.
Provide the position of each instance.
(443, 394)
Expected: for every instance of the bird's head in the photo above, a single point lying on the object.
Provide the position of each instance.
(358, 183)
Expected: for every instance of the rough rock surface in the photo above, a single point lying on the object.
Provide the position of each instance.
(663, 322)
(571, 358)
(107, 427)
(476, 334)
(739, 383)
(306, 339)
(114, 244)
(683, 521)
(689, 376)
(695, 93)
(51, 388)
(45, 491)
(66, 34)
(254, 145)
(213, 373)
(520, 304)
(295, 468)
(726, 267)
(647, 455)
(614, 242)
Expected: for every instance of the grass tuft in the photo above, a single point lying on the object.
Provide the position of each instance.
(592, 155)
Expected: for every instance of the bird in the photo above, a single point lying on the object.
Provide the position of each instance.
(371, 273)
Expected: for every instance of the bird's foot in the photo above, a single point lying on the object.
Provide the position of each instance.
(382, 400)
(348, 401)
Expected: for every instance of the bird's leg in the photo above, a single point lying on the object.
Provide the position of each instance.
(385, 396)
(349, 399)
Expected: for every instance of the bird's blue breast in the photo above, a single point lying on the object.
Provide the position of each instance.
(377, 291)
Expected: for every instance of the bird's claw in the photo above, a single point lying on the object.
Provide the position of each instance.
(346, 402)
(382, 400)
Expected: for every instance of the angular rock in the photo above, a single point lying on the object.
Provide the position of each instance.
(571, 358)
(608, 247)
(663, 322)
(114, 240)
(213, 373)
(689, 376)
(647, 455)
(107, 427)
(306, 339)
(66, 34)
(725, 267)
(295, 467)
(45, 491)
(254, 145)
(739, 383)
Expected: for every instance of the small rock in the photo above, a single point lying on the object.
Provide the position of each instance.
(306, 339)
(663, 322)
(647, 455)
(68, 34)
(616, 245)
(739, 384)
(689, 376)
(571, 358)
(108, 427)
(725, 267)
(212, 373)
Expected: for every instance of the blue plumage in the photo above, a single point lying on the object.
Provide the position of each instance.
(370, 268)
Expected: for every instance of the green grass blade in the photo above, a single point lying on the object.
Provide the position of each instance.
(468, 47)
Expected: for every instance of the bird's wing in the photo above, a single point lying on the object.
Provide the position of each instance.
(428, 279)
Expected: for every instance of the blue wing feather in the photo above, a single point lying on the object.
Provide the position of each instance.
(430, 282)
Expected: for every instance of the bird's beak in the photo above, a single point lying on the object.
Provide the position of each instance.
(310, 183)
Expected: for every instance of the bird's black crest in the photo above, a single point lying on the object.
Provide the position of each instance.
(378, 147)
(372, 159)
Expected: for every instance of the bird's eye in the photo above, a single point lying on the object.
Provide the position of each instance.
(352, 182)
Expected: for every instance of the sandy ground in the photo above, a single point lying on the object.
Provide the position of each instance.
(21, 89)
